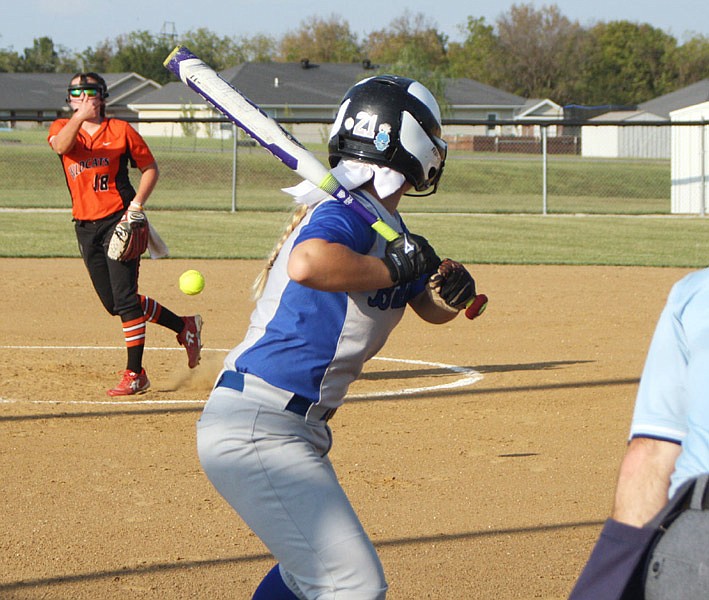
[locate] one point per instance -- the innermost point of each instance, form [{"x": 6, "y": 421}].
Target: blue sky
[{"x": 77, "y": 24}]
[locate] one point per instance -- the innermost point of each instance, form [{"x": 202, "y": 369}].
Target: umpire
[{"x": 668, "y": 451}]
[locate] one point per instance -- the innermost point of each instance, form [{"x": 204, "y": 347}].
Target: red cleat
[
  {"x": 191, "y": 338},
  {"x": 132, "y": 383}
]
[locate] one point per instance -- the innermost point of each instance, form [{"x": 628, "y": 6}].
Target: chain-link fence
[{"x": 609, "y": 168}]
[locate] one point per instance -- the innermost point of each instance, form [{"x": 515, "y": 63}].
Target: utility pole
[{"x": 169, "y": 32}]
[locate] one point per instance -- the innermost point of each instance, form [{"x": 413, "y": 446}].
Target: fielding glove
[{"x": 130, "y": 237}]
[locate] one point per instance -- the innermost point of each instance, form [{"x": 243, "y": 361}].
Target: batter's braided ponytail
[{"x": 296, "y": 217}]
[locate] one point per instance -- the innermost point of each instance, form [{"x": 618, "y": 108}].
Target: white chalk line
[
  {"x": 468, "y": 376},
  {"x": 147, "y": 348}
]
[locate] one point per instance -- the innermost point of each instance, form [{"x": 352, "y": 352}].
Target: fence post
[
  {"x": 544, "y": 169},
  {"x": 703, "y": 172},
  {"x": 233, "y": 168}
]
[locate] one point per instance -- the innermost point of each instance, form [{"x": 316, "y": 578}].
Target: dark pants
[{"x": 115, "y": 282}]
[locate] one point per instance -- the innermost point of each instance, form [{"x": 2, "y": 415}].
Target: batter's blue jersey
[{"x": 315, "y": 343}]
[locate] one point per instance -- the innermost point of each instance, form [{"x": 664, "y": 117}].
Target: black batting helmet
[{"x": 393, "y": 122}]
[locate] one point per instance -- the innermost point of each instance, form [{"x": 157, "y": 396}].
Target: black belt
[
  {"x": 300, "y": 405},
  {"x": 82, "y": 222}
]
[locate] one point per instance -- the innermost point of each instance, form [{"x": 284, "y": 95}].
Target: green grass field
[
  {"x": 198, "y": 174},
  {"x": 477, "y": 239},
  {"x": 488, "y": 209}
]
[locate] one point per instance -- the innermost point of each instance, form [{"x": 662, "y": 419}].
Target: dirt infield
[{"x": 494, "y": 489}]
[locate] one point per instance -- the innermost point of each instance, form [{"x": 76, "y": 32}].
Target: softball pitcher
[
  {"x": 95, "y": 153},
  {"x": 329, "y": 297}
]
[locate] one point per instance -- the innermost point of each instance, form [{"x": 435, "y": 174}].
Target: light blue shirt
[{"x": 673, "y": 397}]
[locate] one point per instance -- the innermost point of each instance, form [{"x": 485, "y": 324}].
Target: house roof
[
  {"x": 47, "y": 91},
  {"x": 271, "y": 85},
  {"x": 687, "y": 96},
  {"x": 627, "y": 115},
  {"x": 536, "y": 108},
  {"x": 275, "y": 84},
  {"x": 468, "y": 92},
  {"x": 319, "y": 85},
  {"x": 33, "y": 91}
]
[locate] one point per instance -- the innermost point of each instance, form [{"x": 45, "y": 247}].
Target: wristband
[{"x": 135, "y": 205}]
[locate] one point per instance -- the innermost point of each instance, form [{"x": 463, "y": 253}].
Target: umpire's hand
[{"x": 410, "y": 256}]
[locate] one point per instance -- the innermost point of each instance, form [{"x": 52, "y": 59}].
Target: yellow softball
[{"x": 191, "y": 282}]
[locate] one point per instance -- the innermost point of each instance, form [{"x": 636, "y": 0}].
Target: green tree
[
  {"x": 257, "y": 48},
  {"x": 68, "y": 61},
  {"x": 409, "y": 39},
  {"x": 629, "y": 63},
  {"x": 9, "y": 61},
  {"x": 142, "y": 53},
  {"x": 321, "y": 40},
  {"x": 42, "y": 57},
  {"x": 475, "y": 58},
  {"x": 411, "y": 47},
  {"x": 538, "y": 52},
  {"x": 408, "y": 65},
  {"x": 691, "y": 60},
  {"x": 99, "y": 59},
  {"x": 218, "y": 52}
]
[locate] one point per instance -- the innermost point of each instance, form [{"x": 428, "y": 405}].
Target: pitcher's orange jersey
[{"x": 96, "y": 168}]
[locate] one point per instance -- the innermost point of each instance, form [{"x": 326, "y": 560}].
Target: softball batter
[
  {"x": 95, "y": 153},
  {"x": 331, "y": 294}
]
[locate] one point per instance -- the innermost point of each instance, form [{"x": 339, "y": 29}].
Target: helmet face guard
[{"x": 394, "y": 122}]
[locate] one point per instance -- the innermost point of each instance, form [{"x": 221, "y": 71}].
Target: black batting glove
[
  {"x": 408, "y": 257},
  {"x": 454, "y": 284}
]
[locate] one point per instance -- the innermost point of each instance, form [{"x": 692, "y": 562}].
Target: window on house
[{"x": 491, "y": 119}]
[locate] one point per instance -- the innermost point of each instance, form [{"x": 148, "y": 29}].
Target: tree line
[{"x": 534, "y": 53}]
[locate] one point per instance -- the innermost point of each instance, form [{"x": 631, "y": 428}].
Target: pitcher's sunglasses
[{"x": 75, "y": 92}]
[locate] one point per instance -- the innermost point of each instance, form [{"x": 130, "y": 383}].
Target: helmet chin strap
[{"x": 351, "y": 174}]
